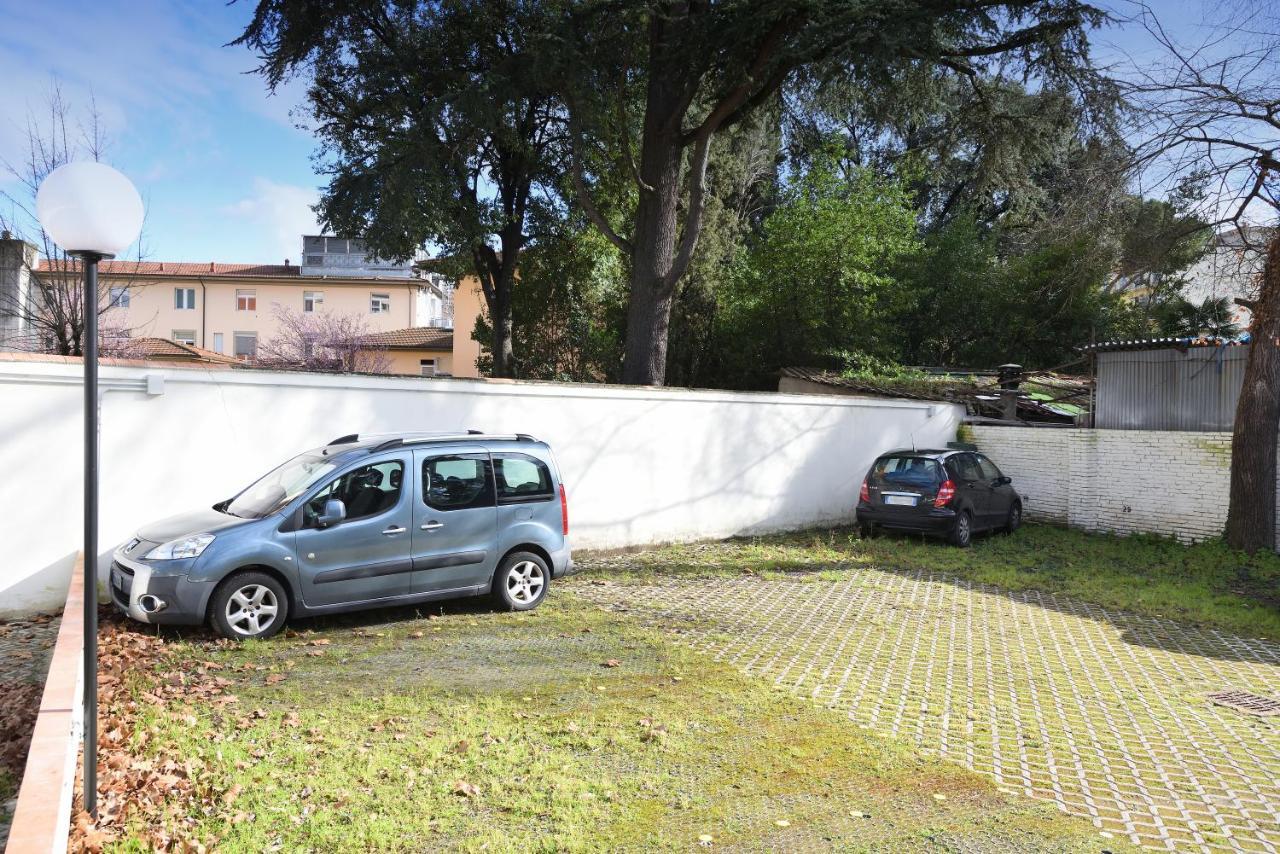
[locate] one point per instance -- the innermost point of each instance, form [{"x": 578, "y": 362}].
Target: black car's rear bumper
[{"x": 929, "y": 519}]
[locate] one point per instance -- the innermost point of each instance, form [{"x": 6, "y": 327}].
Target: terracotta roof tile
[
  {"x": 163, "y": 348},
  {"x": 174, "y": 268},
  {"x": 413, "y": 338}
]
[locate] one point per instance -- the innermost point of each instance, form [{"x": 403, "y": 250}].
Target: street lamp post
[{"x": 93, "y": 212}]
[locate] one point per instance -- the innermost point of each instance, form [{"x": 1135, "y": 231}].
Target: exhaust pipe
[{"x": 151, "y": 604}]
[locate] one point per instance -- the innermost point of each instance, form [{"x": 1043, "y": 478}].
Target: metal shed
[{"x": 1167, "y": 384}]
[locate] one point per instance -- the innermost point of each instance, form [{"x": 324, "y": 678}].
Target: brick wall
[{"x": 1126, "y": 481}]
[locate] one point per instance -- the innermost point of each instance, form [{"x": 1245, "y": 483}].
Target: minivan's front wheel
[
  {"x": 962, "y": 530},
  {"x": 249, "y": 605},
  {"x": 520, "y": 584}
]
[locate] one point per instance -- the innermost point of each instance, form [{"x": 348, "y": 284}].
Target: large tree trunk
[
  {"x": 497, "y": 272},
  {"x": 653, "y": 251},
  {"x": 1251, "y": 516},
  {"x": 500, "y": 315}
]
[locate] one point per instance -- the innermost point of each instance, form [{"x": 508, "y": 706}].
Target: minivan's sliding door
[{"x": 455, "y": 520}]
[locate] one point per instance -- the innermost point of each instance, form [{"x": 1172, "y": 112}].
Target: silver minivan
[{"x": 363, "y": 522}]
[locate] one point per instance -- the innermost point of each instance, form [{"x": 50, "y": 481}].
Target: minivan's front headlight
[{"x": 181, "y": 548}]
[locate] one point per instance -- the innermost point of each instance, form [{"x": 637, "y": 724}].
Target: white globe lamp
[
  {"x": 92, "y": 212},
  {"x": 89, "y": 209}
]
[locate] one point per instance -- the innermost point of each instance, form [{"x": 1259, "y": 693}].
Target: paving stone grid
[{"x": 1102, "y": 712}]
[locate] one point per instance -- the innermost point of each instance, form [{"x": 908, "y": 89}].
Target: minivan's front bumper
[{"x": 173, "y": 599}]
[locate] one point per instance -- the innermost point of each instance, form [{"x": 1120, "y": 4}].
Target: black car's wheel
[
  {"x": 866, "y": 530},
  {"x": 962, "y": 530},
  {"x": 249, "y": 605},
  {"x": 1015, "y": 518},
  {"x": 521, "y": 582}
]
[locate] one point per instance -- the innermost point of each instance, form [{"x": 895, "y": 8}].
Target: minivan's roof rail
[{"x": 451, "y": 437}]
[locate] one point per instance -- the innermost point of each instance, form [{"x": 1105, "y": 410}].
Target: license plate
[{"x": 904, "y": 500}]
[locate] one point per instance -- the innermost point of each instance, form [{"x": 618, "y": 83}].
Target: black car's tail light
[
  {"x": 864, "y": 494},
  {"x": 946, "y": 492}
]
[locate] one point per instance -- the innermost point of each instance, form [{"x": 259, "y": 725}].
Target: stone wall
[{"x": 1125, "y": 481}]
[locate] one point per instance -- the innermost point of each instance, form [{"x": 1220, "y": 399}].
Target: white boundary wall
[
  {"x": 1125, "y": 481},
  {"x": 640, "y": 465}
]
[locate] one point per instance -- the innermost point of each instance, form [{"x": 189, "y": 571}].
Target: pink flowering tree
[{"x": 322, "y": 341}]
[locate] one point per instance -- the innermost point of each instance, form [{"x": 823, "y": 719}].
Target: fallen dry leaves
[
  {"x": 138, "y": 782},
  {"x": 19, "y": 703}
]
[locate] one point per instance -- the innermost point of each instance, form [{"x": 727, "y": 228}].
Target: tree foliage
[
  {"x": 818, "y": 283},
  {"x": 657, "y": 81},
  {"x": 437, "y": 126}
]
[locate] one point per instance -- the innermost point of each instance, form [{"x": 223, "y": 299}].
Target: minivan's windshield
[{"x": 280, "y": 486}]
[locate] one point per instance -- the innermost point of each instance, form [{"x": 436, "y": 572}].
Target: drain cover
[{"x": 1243, "y": 701}]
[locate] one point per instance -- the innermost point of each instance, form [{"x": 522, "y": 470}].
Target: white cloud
[{"x": 282, "y": 211}]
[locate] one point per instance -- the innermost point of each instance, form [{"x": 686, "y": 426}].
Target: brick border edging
[{"x": 42, "y": 820}]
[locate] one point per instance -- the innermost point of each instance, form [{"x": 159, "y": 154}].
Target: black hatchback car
[{"x": 954, "y": 493}]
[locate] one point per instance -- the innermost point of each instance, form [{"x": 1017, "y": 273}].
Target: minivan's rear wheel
[
  {"x": 520, "y": 584},
  {"x": 249, "y": 605},
  {"x": 962, "y": 530},
  {"x": 1015, "y": 518}
]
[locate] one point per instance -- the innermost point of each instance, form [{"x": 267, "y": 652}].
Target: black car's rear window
[{"x": 906, "y": 470}]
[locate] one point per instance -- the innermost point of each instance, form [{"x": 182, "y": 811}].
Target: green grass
[
  {"x": 1206, "y": 584},
  {"x": 506, "y": 732}
]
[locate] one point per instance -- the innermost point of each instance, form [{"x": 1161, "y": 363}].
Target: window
[
  {"x": 246, "y": 344},
  {"x": 988, "y": 468},
  {"x": 906, "y": 471},
  {"x": 118, "y": 297},
  {"x": 367, "y": 491},
  {"x": 458, "y": 482},
  {"x": 521, "y": 477},
  {"x": 427, "y": 366},
  {"x": 311, "y": 300},
  {"x": 246, "y": 300},
  {"x": 184, "y": 297},
  {"x": 966, "y": 467},
  {"x": 379, "y": 303},
  {"x": 218, "y": 345},
  {"x": 314, "y": 261},
  {"x": 185, "y": 336}
]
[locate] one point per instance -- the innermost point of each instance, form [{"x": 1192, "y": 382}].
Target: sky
[{"x": 225, "y": 171}]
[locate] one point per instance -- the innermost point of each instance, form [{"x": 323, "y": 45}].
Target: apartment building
[{"x": 233, "y": 309}]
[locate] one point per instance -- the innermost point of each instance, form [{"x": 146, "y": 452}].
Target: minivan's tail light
[
  {"x": 946, "y": 492},
  {"x": 864, "y": 494},
  {"x": 564, "y": 511}
]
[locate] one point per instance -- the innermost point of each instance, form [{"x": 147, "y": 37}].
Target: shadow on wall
[{"x": 43, "y": 590}]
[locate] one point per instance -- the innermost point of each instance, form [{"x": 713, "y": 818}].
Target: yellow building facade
[{"x": 232, "y": 309}]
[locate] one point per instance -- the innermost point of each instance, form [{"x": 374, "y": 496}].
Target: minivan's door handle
[
  {"x": 393, "y": 530},
  {"x": 432, "y": 525}
]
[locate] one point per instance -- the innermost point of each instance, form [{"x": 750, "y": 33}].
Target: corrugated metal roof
[{"x": 1158, "y": 344}]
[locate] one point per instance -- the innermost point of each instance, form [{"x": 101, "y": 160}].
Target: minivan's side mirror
[
  {"x": 334, "y": 512},
  {"x": 1004, "y": 480}
]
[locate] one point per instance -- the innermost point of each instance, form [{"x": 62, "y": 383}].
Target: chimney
[
  {"x": 210, "y": 266},
  {"x": 286, "y": 263}
]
